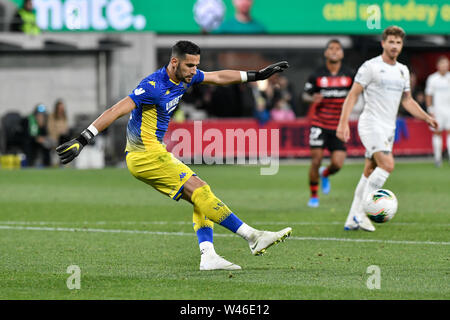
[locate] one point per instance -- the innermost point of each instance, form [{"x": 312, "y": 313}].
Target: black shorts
[{"x": 325, "y": 138}]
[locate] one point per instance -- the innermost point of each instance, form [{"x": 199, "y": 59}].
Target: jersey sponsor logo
[
  {"x": 333, "y": 93},
  {"x": 139, "y": 91},
  {"x": 172, "y": 104},
  {"x": 392, "y": 84},
  {"x": 335, "y": 81}
]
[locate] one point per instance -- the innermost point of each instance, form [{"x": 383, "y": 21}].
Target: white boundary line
[
  {"x": 299, "y": 223},
  {"x": 216, "y": 234}
]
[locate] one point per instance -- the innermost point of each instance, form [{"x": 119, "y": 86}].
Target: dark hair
[
  {"x": 183, "y": 47},
  {"x": 393, "y": 31},
  {"x": 334, "y": 40}
]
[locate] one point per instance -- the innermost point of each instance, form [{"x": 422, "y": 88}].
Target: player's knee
[
  {"x": 201, "y": 193},
  {"x": 193, "y": 184},
  {"x": 387, "y": 166},
  {"x": 390, "y": 168},
  {"x": 197, "y": 182}
]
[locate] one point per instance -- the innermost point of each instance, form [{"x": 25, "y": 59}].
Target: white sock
[
  {"x": 206, "y": 248},
  {"x": 437, "y": 147},
  {"x": 357, "y": 199},
  {"x": 376, "y": 180},
  {"x": 245, "y": 231}
]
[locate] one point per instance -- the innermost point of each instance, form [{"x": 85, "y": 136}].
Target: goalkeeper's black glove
[
  {"x": 71, "y": 149},
  {"x": 267, "y": 71}
]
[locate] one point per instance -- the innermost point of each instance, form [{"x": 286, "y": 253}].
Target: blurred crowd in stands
[{"x": 35, "y": 135}]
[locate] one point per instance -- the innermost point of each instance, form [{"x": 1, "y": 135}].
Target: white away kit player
[
  {"x": 384, "y": 83},
  {"x": 437, "y": 98}
]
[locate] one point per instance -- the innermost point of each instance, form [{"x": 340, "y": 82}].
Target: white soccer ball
[
  {"x": 380, "y": 205},
  {"x": 209, "y": 13}
]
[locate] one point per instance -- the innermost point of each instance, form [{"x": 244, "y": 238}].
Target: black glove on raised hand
[
  {"x": 267, "y": 71},
  {"x": 71, "y": 149}
]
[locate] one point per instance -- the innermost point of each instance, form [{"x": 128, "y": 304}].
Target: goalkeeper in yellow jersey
[{"x": 151, "y": 104}]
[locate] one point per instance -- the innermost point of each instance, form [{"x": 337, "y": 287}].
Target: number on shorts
[{"x": 314, "y": 136}]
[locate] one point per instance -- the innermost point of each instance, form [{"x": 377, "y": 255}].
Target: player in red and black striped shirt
[{"x": 326, "y": 90}]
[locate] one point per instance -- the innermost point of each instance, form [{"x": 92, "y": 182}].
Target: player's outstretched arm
[
  {"x": 416, "y": 110},
  {"x": 343, "y": 128},
  {"x": 71, "y": 149},
  {"x": 225, "y": 77}
]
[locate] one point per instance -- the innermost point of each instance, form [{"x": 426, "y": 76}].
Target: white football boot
[
  {"x": 212, "y": 261},
  {"x": 350, "y": 223},
  {"x": 264, "y": 239},
  {"x": 363, "y": 222}
]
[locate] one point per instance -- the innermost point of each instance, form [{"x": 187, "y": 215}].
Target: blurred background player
[
  {"x": 151, "y": 104},
  {"x": 326, "y": 90},
  {"x": 437, "y": 97},
  {"x": 384, "y": 83}
]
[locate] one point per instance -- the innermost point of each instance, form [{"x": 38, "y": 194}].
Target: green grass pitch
[{"x": 131, "y": 242}]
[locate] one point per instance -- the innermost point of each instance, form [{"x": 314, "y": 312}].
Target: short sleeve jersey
[
  {"x": 438, "y": 86},
  {"x": 156, "y": 98},
  {"x": 334, "y": 89},
  {"x": 384, "y": 85}
]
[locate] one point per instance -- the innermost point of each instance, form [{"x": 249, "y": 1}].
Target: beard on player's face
[
  {"x": 334, "y": 59},
  {"x": 179, "y": 74},
  {"x": 392, "y": 47},
  {"x": 183, "y": 72},
  {"x": 393, "y": 53}
]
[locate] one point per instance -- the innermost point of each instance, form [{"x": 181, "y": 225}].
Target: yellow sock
[
  {"x": 201, "y": 221},
  {"x": 203, "y": 227},
  {"x": 208, "y": 205}
]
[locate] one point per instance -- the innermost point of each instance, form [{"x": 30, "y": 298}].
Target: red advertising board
[{"x": 246, "y": 137}]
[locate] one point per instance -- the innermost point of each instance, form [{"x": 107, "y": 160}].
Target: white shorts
[
  {"x": 443, "y": 119},
  {"x": 376, "y": 139}
]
